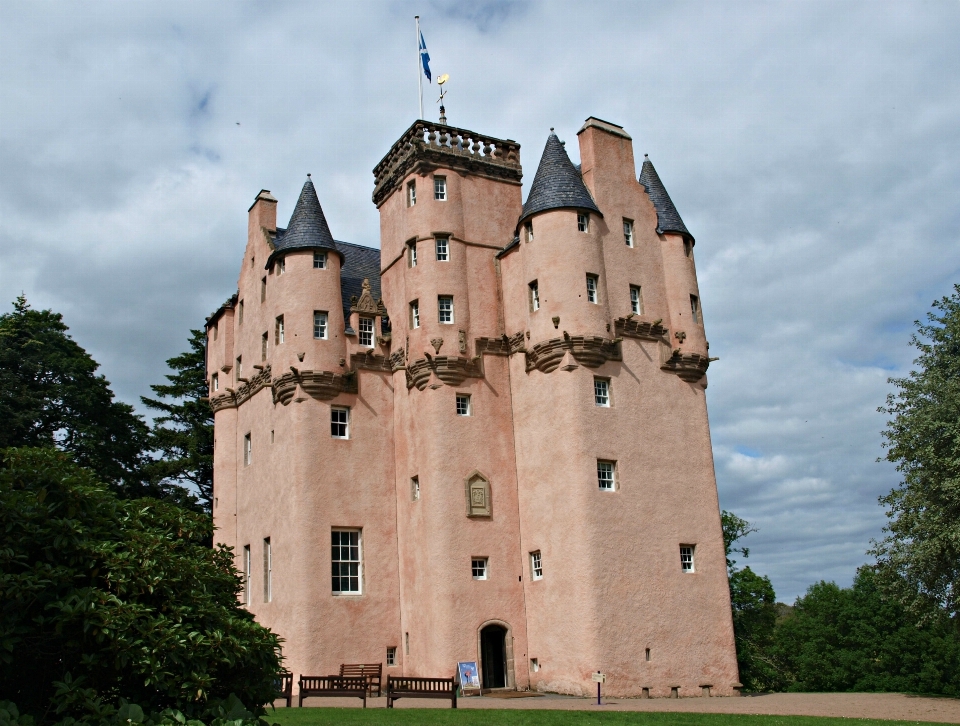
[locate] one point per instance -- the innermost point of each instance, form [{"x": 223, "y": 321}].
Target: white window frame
[
  {"x": 593, "y": 289},
  {"x": 278, "y": 331},
  {"x": 320, "y": 324},
  {"x": 636, "y": 300},
  {"x": 412, "y": 253},
  {"x": 534, "y": 296},
  {"x": 247, "y": 449},
  {"x": 463, "y": 405},
  {"x": 480, "y": 568},
  {"x": 281, "y": 265},
  {"x": 267, "y": 570},
  {"x": 366, "y": 336},
  {"x": 601, "y": 392},
  {"x": 412, "y": 193},
  {"x": 688, "y": 558},
  {"x": 440, "y": 188},
  {"x": 443, "y": 249},
  {"x": 246, "y": 575},
  {"x": 528, "y": 228},
  {"x": 605, "y": 483},
  {"x": 628, "y": 232},
  {"x": 583, "y": 222},
  {"x": 320, "y": 260},
  {"x": 441, "y": 312},
  {"x": 215, "y": 381},
  {"x": 415, "y": 314},
  {"x": 536, "y": 565},
  {"x": 337, "y": 575},
  {"x": 342, "y": 425},
  {"x": 391, "y": 656}
]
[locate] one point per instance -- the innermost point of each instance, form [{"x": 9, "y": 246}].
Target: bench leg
[{"x": 389, "y": 702}]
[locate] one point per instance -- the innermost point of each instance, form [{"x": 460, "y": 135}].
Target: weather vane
[{"x": 443, "y": 112}]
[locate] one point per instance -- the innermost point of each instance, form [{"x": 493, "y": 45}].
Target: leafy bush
[{"x": 122, "y": 594}]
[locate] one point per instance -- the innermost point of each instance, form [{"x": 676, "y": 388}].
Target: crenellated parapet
[
  {"x": 426, "y": 145},
  {"x": 690, "y": 367},
  {"x": 632, "y": 328}
]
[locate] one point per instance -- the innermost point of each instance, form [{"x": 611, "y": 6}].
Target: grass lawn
[{"x": 506, "y": 717}]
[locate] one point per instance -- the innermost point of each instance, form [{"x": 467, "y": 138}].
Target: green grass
[{"x": 506, "y": 717}]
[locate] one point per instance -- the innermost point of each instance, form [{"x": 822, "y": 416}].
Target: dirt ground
[{"x": 893, "y": 706}]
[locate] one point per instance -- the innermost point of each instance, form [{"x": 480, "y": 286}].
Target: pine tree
[{"x": 183, "y": 433}]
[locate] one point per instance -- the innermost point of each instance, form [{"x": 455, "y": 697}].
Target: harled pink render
[{"x": 451, "y": 503}]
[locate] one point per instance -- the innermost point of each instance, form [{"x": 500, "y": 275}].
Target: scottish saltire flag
[{"x": 425, "y": 59}]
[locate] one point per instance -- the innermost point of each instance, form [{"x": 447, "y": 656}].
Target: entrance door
[{"x": 493, "y": 653}]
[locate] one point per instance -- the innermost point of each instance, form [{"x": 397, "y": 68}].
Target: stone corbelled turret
[{"x": 557, "y": 183}]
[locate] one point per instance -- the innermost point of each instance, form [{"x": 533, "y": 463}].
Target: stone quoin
[{"x": 485, "y": 441}]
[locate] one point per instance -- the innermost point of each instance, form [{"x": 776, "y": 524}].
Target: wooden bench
[
  {"x": 373, "y": 672},
  {"x": 332, "y": 686},
  {"x": 404, "y": 687},
  {"x": 285, "y": 687}
]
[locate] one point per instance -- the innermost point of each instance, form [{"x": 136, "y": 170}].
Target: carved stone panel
[{"x": 478, "y": 496}]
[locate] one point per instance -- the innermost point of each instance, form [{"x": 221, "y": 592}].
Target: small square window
[
  {"x": 278, "y": 331},
  {"x": 695, "y": 309},
  {"x": 628, "y": 232},
  {"x": 534, "y": 296},
  {"x": 411, "y": 193},
  {"x": 263, "y": 347},
  {"x": 592, "y": 295},
  {"x": 412, "y": 253},
  {"x": 528, "y": 228},
  {"x": 463, "y": 405},
  {"x": 415, "y": 489},
  {"x": 478, "y": 566},
  {"x": 366, "y": 332},
  {"x": 536, "y": 565},
  {"x": 345, "y": 561},
  {"x": 340, "y": 422},
  {"x": 239, "y": 315},
  {"x": 440, "y": 188},
  {"x": 215, "y": 381},
  {"x": 686, "y": 558},
  {"x": 391, "y": 656},
  {"x": 319, "y": 325},
  {"x": 263, "y": 289},
  {"x": 606, "y": 475},
  {"x": 636, "y": 300},
  {"x": 247, "y": 450},
  {"x": 443, "y": 249},
  {"x": 583, "y": 222},
  {"x": 320, "y": 260},
  {"x": 281, "y": 265},
  {"x": 601, "y": 392},
  {"x": 415, "y": 314},
  {"x": 445, "y": 309}
]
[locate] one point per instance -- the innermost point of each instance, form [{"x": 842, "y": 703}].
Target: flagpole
[{"x": 419, "y": 62}]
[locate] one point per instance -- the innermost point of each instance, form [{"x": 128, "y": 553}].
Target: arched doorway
[{"x": 493, "y": 656}]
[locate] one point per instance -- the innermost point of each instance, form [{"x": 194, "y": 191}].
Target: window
[
  {"x": 411, "y": 193},
  {"x": 440, "y": 188},
  {"x": 605, "y": 475},
  {"x": 463, "y": 405},
  {"x": 319, "y": 325},
  {"x": 320, "y": 260},
  {"x": 406, "y": 643},
  {"x": 534, "y": 296},
  {"x": 415, "y": 489},
  {"x": 536, "y": 566},
  {"x": 443, "y": 249},
  {"x": 445, "y": 306},
  {"x": 695, "y": 309},
  {"x": 263, "y": 289},
  {"x": 263, "y": 347},
  {"x": 687, "y": 248},
  {"x": 272, "y": 436},
  {"x": 281, "y": 265},
  {"x": 412, "y": 253},
  {"x": 391, "y": 656},
  {"x": 528, "y": 228},
  {"x": 478, "y": 565},
  {"x": 247, "y": 450},
  {"x": 686, "y": 558},
  {"x": 246, "y": 574},
  {"x": 345, "y": 560},
  {"x": 636, "y": 302},
  {"x": 628, "y": 232},
  {"x": 215, "y": 381},
  {"x": 592, "y": 289},
  {"x": 267, "y": 570},
  {"x": 534, "y": 665},
  {"x": 239, "y": 313},
  {"x": 366, "y": 332},
  {"x": 583, "y": 222},
  {"x": 415, "y": 314},
  {"x": 601, "y": 392},
  {"x": 340, "y": 422},
  {"x": 238, "y": 371},
  {"x": 278, "y": 331},
  {"x": 646, "y": 655},
  {"x": 215, "y": 330}
]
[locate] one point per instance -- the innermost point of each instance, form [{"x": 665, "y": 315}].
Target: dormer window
[
  {"x": 320, "y": 260},
  {"x": 412, "y": 253},
  {"x": 628, "y": 232},
  {"x": 366, "y": 332},
  {"x": 411, "y": 193},
  {"x": 583, "y": 222},
  {"x": 440, "y": 188},
  {"x": 443, "y": 249},
  {"x": 528, "y": 230}
]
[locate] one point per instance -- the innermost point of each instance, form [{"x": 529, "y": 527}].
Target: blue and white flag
[{"x": 425, "y": 59}]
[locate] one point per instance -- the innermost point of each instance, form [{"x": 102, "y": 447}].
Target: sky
[{"x": 812, "y": 148}]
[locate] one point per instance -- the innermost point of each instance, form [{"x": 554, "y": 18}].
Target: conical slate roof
[
  {"x": 308, "y": 227},
  {"x": 668, "y": 218},
  {"x": 557, "y": 184}
]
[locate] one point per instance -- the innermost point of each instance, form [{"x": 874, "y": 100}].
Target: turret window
[
  {"x": 411, "y": 193},
  {"x": 215, "y": 382},
  {"x": 628, "y": 232},
  {"x": 687, "y": 248},
  {"x": 606, "y": 475},
  {"x": 415, "y": 314},
  {"x": 366, "y": 332},
  {"x": 340, "y": 422},
  {"x": 247, "y": 450},
  {"x": 463, "y": 404},
  {"x": 239, "y": 317},
  {"x": 695, "y": 309},
  {"x": 412, "y": 253},
  {"x": 528, "y": 228},
  {"x": 636, "y": 301},
  {"x": 534, "y": 296},
  {"x": 263, "y": 347},
  {"x": 592, "y": 289},
  {"x": 263, "y": 289},
  {"x": 415, "y": 489},
  {"x": 443, "y": 249},
  {"x": 346, "y": 562},
  {"x": 601, "y": 392},
  {"x": 278, "y": 331},
  {"x": 536, "y": 565},
  {"x": 686, "y": 558},
  {"x": 281, "y": 265},
  {"x": 319, "y": 260},
  {"x": 583, "y": 222},
  {"x": 319, "y": 325},
  {"x": 238, "y": 371},
  {"x": 478, "y": 566},
  {"x": 440, "y": 188},
  {"x": 445, "y": 307}
]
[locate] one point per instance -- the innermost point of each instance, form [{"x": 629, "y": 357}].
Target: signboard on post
[
  {"x": 599, "y": 677},
  {"x": 469, "y": 676}
]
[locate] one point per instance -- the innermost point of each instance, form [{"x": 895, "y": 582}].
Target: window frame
[
  {"x": 480, "y": 565},
  {"x": 601, "y": 392},
  {"x": 264, "y": 342},
  {"x": 445, "y": 243},
  {"x": 414, "y": 314},
  {"x": 320, "y": 257},
  {"x": 628, "y": 236},
  {"x": 345, "y": 424},
  {"x": 321, "y": 323},
  {"x": 267, "y": 570},
  {"x": 281, "y": 266},
  {"x": 238, "y": 370},
  {"x": 391, "y": 656},
  {"x": 601, "y": 480},
  {"x": 215, "y": 382},
  {"x": 247, "y": 575},
  {"x": 534, "y": 288},
  {"x": 338, "y": 578},
  {"x": 687, "y": 248},
  {"x": 583, "y": 222},
  {"x": 536, "y": 565},
  {"x": 440, "y": 188},
  {"x": 440, "y": 311},
  {"x": 278, "y": 331},
  {"x": 636, "y": 300},
  {"x": 593, "y": 294},
  {"x": 695, "y": 309},
  {"x": 528, "y": 230},
  {"x": 412, "y": 193},
  {"x": 263, "y": 289},
  {"x": 247, "y": 449},
  {"x": 688, "y": 566},
  {"x": 239, "y": 317},
  {"x": 467, "y": 404},
  {"x": 412, "y": 254},
  {"x": 361, "y": 333},
  {"x": 415, "y": 488}
]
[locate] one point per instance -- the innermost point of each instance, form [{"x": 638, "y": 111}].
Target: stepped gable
[
  {"x": 557, "y": 184},
  {"x": 668, "y": 218},
  {"x": 308, "y": 227}
]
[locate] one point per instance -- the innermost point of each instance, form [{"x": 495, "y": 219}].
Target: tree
[
  {"x": 919, "y": 558},
  {"x": 117, "y": 598},
  {"x": 50, "y": 395},
  {"x": 186, "y": 444}
]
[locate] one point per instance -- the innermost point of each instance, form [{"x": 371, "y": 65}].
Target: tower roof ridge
[
  {"x": 557, "y": 183},
  {"x": 668, "y": 218},
  {"x": 308, "y": 228}
]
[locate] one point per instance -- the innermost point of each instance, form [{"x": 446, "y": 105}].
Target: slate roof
[
  {"x": 557, "y": 184},
  {"x": 668, "y": 218},
  {"x": 308, "y": 227}
]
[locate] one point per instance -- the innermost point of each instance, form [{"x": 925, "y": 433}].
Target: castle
[{"x": 485, "y": 441}]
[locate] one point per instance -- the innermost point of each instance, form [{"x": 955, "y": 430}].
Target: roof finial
[
  {"x": 646, "y": 156},
  {"x": 551, "y": 129},
  {"x": 308, "y": 176}
]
